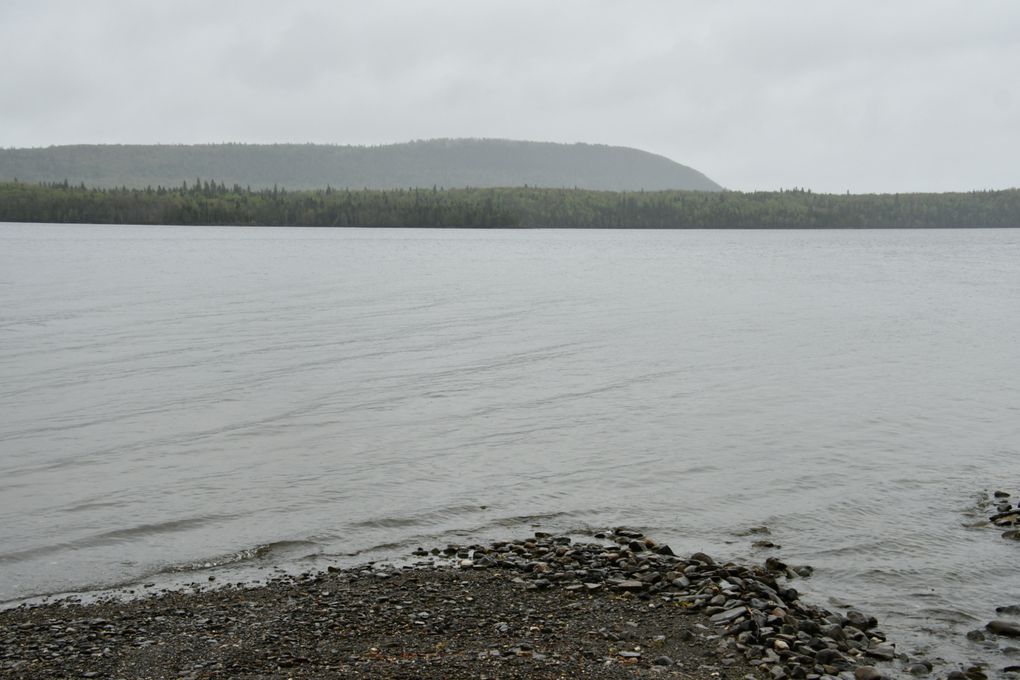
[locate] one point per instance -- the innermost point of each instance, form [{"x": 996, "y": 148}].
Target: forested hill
[{"x": 451, "y": 163}]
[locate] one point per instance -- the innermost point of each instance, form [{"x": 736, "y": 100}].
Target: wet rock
[
  {"x": 703, "y": 558},
  {"x": 867, "y": 673},
  {"x": 662, "y": 661},
  {"x": 881, "y": 652},
  {"x": 1004, "y": 628},
  {"x": 975, "y": 673},
  {"x": 1011, "y": 609},
  {"x": 919, "y": 668},
  {"x": 1007, "y": 518},
  {"x": 860, "y": 621}
]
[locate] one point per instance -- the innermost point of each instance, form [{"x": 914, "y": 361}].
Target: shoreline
[{"x": 544, "y": 607}]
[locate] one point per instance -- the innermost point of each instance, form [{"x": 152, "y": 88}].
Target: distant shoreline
[{"x": 208, "y": 203}]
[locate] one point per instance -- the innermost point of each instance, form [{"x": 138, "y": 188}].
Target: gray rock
[
  {"x": 703, "y": 558},
  {"x": 1005, "y": 628},
  {"x": 881, "y": 652},
  {"x": 630, "y": 585},
  {"x": 729, "y": 615},
  {"x": 867, "y": 673},
  {"x": 1008, "y": 609},
  {"x": 828, "y": 657},
  {"x": 834, "y": 631},
  {"x": 860, "y": 621},
  {"x": 662, "y": 661},
  {"x": 1006, "y": 518},
  {"x": 918, "y": 669}
]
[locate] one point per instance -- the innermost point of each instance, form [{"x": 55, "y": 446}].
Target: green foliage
[{"x": 210, "y": 202}]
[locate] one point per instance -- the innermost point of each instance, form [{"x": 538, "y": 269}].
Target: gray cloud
[{"x": 863, "y": 96}]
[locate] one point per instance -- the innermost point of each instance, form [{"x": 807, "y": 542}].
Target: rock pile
[
  {"x": 757, "y": 615},
  {"x": 1006, "y": 515}
]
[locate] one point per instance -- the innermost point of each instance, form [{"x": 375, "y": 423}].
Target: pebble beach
[{"x": 547, "y": 606}]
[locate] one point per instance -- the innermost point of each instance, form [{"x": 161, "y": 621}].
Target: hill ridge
[{"x": 447, "y": 162}]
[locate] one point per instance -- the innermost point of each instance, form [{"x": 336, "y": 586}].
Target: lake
[{"x": 178, "y": 401}]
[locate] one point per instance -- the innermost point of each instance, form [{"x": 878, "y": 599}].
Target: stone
[
  {"x": 1006, "y": 518},
  {"x": 867, "y": 673},
  {"x": 860, "y": 621},
  {"x": 729, "y": 615},
  {"x": 662, "y": 661},
  {"x": 703, "y": 558},
  {"x": 630, "y": 585},
  {"x": 1008, "y": 609},
  {"x": 918, "y": 669},
  {"x": 834, "y": 631},
  {"x": 1005, "y": 628},
  {"x": 828, "y": 657},
  {"x": 881, "y": 652}
]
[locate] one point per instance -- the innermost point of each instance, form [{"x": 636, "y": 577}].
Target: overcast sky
[{"x": 869, "y": 95}]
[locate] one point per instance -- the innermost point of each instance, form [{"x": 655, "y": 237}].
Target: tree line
[{"x": 204, "y": 202}]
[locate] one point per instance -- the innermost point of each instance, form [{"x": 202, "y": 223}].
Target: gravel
[{"x": 543, "y": 607}]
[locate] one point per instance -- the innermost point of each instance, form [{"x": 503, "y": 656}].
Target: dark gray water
[{"x": 173, "y": 398}]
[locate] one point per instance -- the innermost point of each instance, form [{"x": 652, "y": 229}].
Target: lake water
[{"x": 176, "y": 397}]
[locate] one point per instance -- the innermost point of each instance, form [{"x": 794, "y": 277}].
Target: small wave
[
  {"x": 113, "y": 537},
  {"x": 426, "y": 518},
  {"x": 279, "y": 549}
]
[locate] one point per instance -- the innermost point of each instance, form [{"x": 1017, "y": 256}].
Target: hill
[{"x": 444, "y": 163}]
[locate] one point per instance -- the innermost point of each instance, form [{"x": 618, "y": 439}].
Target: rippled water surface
[{"x": 175, "y": 398}]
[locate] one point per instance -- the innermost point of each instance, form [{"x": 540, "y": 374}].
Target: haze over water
[{"x": 173, "y": 397}]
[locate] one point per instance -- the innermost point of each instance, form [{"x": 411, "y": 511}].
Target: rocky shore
[
  {"x": 546, "y": 607},
  {"x": 620, "y": 605}
]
